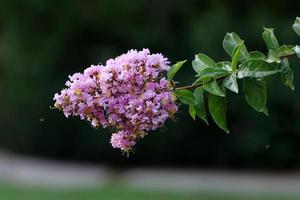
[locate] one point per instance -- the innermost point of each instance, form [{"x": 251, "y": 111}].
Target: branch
[{"x": 190, "y": 87}]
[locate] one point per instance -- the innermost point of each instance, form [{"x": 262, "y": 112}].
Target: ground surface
[
  {"x": 23, "y": 178},
  {"x": 120, "y": 193}
]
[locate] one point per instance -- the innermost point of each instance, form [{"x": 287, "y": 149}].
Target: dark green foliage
[
  {"x": 174, "y": 69},
  {"x": 186, "y": 97},
  {"x": 253, "y": 67},
  {"x": 202, "y": 61},
  {"x": 296, "y": 26},
  {"x": 200, "y": 106},
  {"x": 257, "y": 68},
  {"x": 231, "y": 41},
  {"x": 213, "y": 88},
  {"x": 256, "y": 93},
  {"x": 287, "y": 74},
  {"x": 217, "y": 109},
  {"x": 231, "y": 83}
]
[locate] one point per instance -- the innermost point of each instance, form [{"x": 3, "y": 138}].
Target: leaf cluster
[{"x": 214, "y": 79}]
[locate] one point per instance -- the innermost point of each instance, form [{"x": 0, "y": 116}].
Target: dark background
[{"x": 43, "y": 41}]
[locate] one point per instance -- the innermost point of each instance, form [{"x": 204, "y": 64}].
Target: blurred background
[{"x": 44, "y": 41}]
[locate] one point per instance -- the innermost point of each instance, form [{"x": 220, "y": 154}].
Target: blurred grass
[{"x": 118, "y": 193}]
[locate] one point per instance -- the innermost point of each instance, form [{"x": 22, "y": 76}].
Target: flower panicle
[{"x": 129, "y": 94}]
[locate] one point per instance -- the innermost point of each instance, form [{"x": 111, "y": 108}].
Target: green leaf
[
  {"x": 174, "y": 69},
  {"x": 217, "y": 109},
  {"x": 192, "y": 112},
  {"x": 257, "y": 68},
  {"x": 256, "y": 94},
  {"x": 231, "y": 41},
  {"x": 202, "y": 61},
  {"x": 231, "y": 83},
  {"x": 212, "y": 72},
  {"x": 287, "y": 74},
  {"x": 186, "y": 97},
  {"x": 273, "y": 57},
  {"x": 286, "y": 50},
  {"x": 213, "y": 88},
  {"x": 270, "y": 40},
  {"x": 226, "y": 65},
  {"x": 257, "y": 55},
  {"x": 200, "y": 107},
  {"x": 297, "y": 50},
  {"x": 296, "y": 26},
  {"x": 202, "y": 80},
  {"x": 235, "y": 56}
]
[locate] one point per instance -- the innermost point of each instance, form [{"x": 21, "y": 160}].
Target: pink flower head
[
  {"x": 128, "y": 94},
  {"x": 122, "y": 140}
]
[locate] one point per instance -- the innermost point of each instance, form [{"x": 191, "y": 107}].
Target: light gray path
[
  {"x": 43, "y": 173},
  {"x": 214, "y": 181}
]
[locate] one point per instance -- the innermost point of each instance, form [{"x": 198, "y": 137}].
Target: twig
[{"x": 189, "y": 87}]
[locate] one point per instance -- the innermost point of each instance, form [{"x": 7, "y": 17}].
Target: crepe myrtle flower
[{"x": 128, "y": 94}]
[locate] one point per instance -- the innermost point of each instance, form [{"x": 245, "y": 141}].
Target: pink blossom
[
  {"x": 129, "y": 94},
  {"x": 122, "y": 140}
]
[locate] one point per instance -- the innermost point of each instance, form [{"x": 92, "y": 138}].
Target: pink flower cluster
[{"x": 129, "y": 94}]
